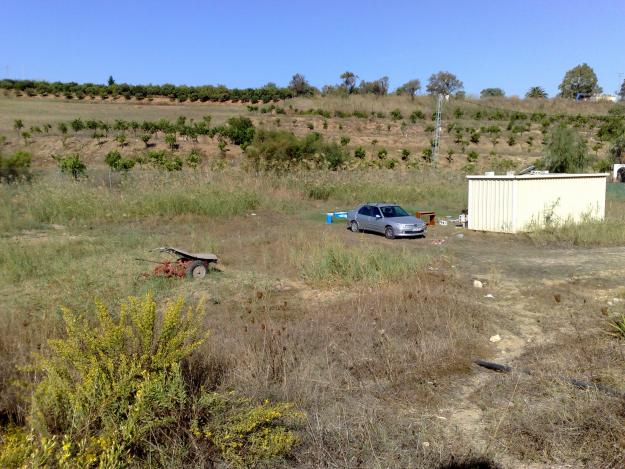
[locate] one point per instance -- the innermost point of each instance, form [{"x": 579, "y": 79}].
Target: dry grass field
[{"x": 373, "y": 340}]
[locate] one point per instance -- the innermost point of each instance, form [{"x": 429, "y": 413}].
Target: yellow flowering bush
[{"x": 112, "y": 394}]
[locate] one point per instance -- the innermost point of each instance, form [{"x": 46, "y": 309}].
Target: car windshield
[{"x": 393, "y": 211}]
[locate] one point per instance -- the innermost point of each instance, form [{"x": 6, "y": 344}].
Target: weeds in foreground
[
  {"x": 618, "y": 327},
  {"x": 333, "y": 262},
  {"x": 113, "y": 394}
]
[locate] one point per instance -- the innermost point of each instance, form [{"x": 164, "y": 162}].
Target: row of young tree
[{"x": 579, "y": 82}]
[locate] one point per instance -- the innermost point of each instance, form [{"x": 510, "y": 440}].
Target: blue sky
[{"x": 486, "y": 43}]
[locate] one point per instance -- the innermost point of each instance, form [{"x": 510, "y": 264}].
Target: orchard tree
[
  {"x": 410, "y": 88},
  {"x": 566, "y": 151},
  {"x": 621, "y": 92},
  {"x": 444, "y": 83},
  {"x": 300, "y": 86},
  {"x": 536, "y": 92},
  {"x": 111, "y": 82},
  {"x": 349, "y": 81},
  {"x": 579, "y": 81},
  {"x": 492, "y": 93}
]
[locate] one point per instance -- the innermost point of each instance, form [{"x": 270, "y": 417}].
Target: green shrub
[
  {"x": 117, "y": 162},
  {"x": 26, "y": 136},
  {"x": 396, "y": 115},
  {"x": 473, "y": 156},
  {"x": 239, "y": 130},
  {"x": 345, "y": 141},
  {"x": 405, "y": 153},
  {"x": 194, "y": 158},
  {"x": 16, "y": 166},
  {"x": 71, "y": 164},
  {"x": 475, "y": 136},
  {"x": 280, "y": 150},
  {"x": 416, "y": 115},
  {"x": 382, "y": 153},
  {"x": 426, "y": 154},
  {"x": 170, "y": 140},
  {"x": 360, "y": 153},
  {"x": 112, "y": 394}
]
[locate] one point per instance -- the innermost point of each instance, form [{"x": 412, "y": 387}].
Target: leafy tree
[
  {"x": 443, "y": 83},
  {"x": 77, "y": 125},
  {"x": 536, "y": 92},
  {"x": 170, "y": 140},
  {"x": 110, "y": 81},
  {"x": 492, "y": 93},
  {"x": 62, "y": 128},
  {"x": 300, "y": 86},
  {"x": 349, "y": 81},
  {"x": 71, "y": 164},
  {"x": 579, "y": 81},
  {"x": 621, "y": 92},
  {"x": 18, "y": 124},
  {"x": 145, "y": 138},
  {"x": 378, "y": 87},
  {"x": 15, "y": 166},
  {"x": 410, "y": 88},
  {"x": 117, "y": 162},
  {"x": 617, "y": 151},
  {"x": 566, "y": 151},
  {"x": 26, "y": 136}
]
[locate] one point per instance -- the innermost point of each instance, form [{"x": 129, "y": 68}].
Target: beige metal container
[{"x": 512, "y": 204}]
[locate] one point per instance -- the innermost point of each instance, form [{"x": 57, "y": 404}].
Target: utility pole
[{"x": 437, "y": 131}]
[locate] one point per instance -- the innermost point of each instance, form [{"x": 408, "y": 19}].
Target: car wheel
[
  {"x": 354, "y": 227},
  {"x": 389, "y": 233}
]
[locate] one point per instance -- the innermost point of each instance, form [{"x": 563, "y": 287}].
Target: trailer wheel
[{"x": 196, "y": 269}]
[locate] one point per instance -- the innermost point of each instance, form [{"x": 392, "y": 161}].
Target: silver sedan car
[{"x": 389, "y": 219}]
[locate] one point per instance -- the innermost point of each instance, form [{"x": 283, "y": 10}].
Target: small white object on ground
[
  {"x": 459, "y": 235},
  {"x": 253, "y": 214},
  {"x": 495, "y": 338},
  {"x": 477, "y": 284},
  {"x": 490, "y": 295},
  {"x": 442, "y": 222},
  {"x": 426, "y": 444}
]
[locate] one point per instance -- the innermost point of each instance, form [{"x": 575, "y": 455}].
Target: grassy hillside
[{"x": 491, "y": 134}]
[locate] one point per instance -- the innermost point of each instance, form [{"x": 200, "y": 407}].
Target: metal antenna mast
[{"x": 437, "y": 132}]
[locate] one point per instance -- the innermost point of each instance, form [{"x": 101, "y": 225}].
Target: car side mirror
[{"x": 378, "y": 216}]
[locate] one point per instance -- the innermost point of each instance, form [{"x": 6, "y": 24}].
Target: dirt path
[{"x": 528, "y": 284}]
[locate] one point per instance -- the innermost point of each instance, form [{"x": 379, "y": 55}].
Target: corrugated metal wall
[
  {"x": 515, "y": 204},
  {"x": 491, "y": 204}
]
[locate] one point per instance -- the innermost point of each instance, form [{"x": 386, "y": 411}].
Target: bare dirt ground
[{"x": 540, "y": 296}]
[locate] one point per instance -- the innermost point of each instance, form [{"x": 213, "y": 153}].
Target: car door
[
  {"x": 376, "y": 220},
  {"x": 363, "y": 217}
]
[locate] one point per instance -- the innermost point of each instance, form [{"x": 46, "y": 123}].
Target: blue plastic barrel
[{"x": 329, "y": 218}]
